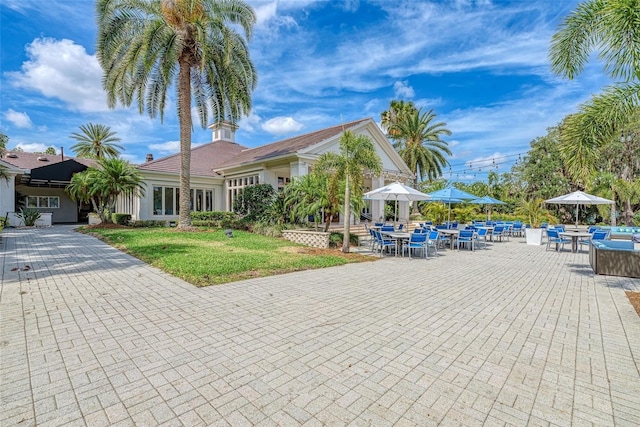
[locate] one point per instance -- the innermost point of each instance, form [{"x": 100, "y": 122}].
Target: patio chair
[
  {"x": 498, "y": 232},
  {"x": 443, "y": 239},
  {"x": 465, "y": 237},
  {"x": 596, "y": 235},
  {"x": 387, "y": 228},
  {"x": 481, "y": 236},
  {"x": 517, "y": 230},
  {"x": 416, "y": 241},
  {"x": 433, "y": 241},
  {"x": 383, "y": 243},
  {"x": 553, "y": 236}
]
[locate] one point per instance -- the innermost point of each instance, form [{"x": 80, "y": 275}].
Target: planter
[{"x": 534, "y": 236}]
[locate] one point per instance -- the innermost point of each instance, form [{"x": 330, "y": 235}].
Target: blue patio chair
[
  {"x": 378, "y": 224},
  {"x": 387, "y": 228},
  {"x": 596, "y": 235},
  {"x": 383, "y": 243},
  {"x": 400, "y": 227},
  {"x": 481, "y": 236},
  {"x": 465, "y": 237},
  {"x": 553, "y": 236},
  {"x": 498, "y": 232},
  {"x": 416, "y": 241},
  {"x": 443, "y": 240},
  {"x": 517, "y": 230},
  {"x": 433, "y": 240}
]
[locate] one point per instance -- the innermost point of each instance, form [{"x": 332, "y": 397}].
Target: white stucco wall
[{"x": 7, "y": 195}]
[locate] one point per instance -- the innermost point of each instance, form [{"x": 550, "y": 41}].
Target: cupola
[{"x": 224, "y": 131}]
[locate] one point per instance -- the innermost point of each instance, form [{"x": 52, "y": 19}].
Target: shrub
[
  {"x": 3, "y": 222},
  {"x": 335, "y": 239},
  {"x": 29, "y": 216},
  {"x": 217, "y": 220},
  {"x": 253, "y": 202},
  {"x": 266, "y": 229},
  {"x": 120, "y": 218}
]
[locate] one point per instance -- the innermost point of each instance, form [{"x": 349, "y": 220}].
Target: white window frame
[{"x": 37, "y": 200}]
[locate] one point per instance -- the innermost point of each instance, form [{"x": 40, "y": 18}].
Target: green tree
[
  {"x": 144, "y": 47},
  {"x": 253, "y": 202},
  {"x": 4, "y": 140},
  {"x": 419, "y": 143},
  {"x": 390, "y": 117},
  {"x": 103, "y": 184},
  {"x": 612, "y": 28},
  {"x": 96, "y": 141},
  {"x": 50, "y": 151},
  {"x": 306, "y": 196},
  {"x": 357, "y": 153}
]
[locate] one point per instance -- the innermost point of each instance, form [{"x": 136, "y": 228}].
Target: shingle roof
[
  {"x": 204, "y": 159},
  {"x": 286, "y": 146},
  {"x": 24, "y": 160}
]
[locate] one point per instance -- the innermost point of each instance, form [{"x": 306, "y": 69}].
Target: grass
[{"x": 208, "y": 257}]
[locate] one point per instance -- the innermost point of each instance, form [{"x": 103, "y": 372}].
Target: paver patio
[{"x": 511, "y": 335}]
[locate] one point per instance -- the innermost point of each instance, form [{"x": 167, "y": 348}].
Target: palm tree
[
  {"x": 96, "y": 142},
  {"x": 356, "y": 153},
  {"x": 420, "y": 145},
  {"x": 4, "y": 139},
  {"x": 305, "y": 196},
  {"x": 103, "y": 184},
  {"x": 612, "y": 28},
  {"x": 389, "y": 118},
  {"x": 145, "y": 46}
]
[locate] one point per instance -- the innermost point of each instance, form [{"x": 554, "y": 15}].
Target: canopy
[
  {"x": 398, "y": 192},
  {"x": 451, "y": 195},
  {"x": 487, "y": 200},
  {"x": 579, "y": 198}
]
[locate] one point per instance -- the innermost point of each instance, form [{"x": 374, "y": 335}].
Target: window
[
  {"x": 43, "y": 202},
  {"x": 166, "y": 200},
  {"x": 236, "y": 184}
]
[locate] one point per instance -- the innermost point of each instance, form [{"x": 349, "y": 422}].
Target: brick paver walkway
[{"x": 512, "y": 335}]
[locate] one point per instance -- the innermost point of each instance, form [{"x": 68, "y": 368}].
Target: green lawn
[{"x": 209, "y": 257}]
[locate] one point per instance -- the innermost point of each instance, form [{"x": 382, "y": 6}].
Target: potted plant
[{"x": 534, "y": 212}]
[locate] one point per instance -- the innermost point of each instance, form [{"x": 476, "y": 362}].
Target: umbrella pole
[{"x": 577, "y": 206}]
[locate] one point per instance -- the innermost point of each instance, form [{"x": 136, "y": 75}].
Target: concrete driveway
[{"x": 511, "y": 335}]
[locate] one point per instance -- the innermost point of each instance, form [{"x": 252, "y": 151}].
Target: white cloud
[
  {"x": 282, "y": 126},
  {"x": 32, "y": 147},
  {"x": 62, "y": 70},
  {"x": 402, "y": 90},
  {"x": 132, "y": 158},
  {"x": 250, "y": 123},
  {"x": 168, "y": 147},
  {"x": 19, "y": 120}
]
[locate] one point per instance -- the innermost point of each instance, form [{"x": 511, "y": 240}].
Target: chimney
[
  {"x": 149, "y": 158},
  {"x": 62, "y": 154}
]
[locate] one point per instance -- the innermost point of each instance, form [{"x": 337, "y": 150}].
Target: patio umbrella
[
  {"x": 579, "y": 198},
  {"x": 451, "y": 195},
  {"x": 487, "y": 200},
  {"x": 398, "y": 192}
]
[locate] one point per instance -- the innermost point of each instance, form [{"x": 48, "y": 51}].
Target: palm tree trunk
[
  {"x": 184, "y": 108},
  {"x": 347, "y": 216}
]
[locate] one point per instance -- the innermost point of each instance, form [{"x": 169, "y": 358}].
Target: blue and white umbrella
[{"x": 451, "y": 195}]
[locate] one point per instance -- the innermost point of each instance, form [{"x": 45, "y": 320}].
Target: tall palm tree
[
  {"x": 4, "y": 139},
  {"x": 357, "y": 153},
  {"x": 145, "y": 46},
  {"x": 96, "y": 142},
  {"x": 388, "y": 119},
  {"x": 420, "y": 145}
]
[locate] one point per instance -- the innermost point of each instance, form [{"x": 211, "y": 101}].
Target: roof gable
[{"x": 287, "y": 146}]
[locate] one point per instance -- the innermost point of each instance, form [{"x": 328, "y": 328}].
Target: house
[
  {"x": 38, "y": 181},
  {"x": 221, "y": 168}
]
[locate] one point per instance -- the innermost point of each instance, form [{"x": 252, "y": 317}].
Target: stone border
[{"x": 316, "y": 239}]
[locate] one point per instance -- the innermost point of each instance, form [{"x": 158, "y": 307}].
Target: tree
[
  {"x": 306, "y": 196},
  {"x": 253, "y": 202},
  {"x": 103, "y": 184},
  {"x": 144, "y": 47},
  {"x": 389, "y": 118},
  {"x": 96, "y": 141},
  {"x": 356, "y": 153},
  {"x": 50, "y": 151},
  {"x": 612, "y": 28},
  {"x": 4, "y": 140},
  {"x": 419, "y": 143}
]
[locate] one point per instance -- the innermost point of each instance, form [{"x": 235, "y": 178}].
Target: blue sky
[{"x": 482, "y": 66}]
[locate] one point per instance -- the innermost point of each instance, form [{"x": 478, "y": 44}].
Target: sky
[{"x": 481, "y": 66}]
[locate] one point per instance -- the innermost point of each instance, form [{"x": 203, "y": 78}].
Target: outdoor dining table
[
  {"x": 398, "y": 236},
  {"x": 575, "y": 235}
]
